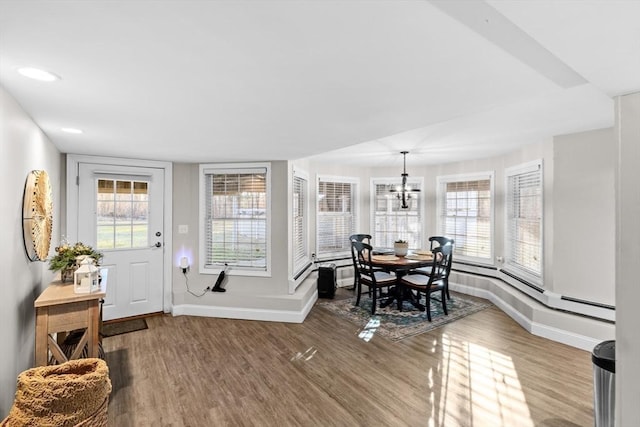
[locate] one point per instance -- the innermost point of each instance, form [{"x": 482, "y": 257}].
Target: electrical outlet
[{"x": 183, "y": 229}]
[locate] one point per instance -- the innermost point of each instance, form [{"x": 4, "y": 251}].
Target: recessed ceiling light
[
  {"x": 71, "y": 130},
  {"x": 38, "y": 74}
]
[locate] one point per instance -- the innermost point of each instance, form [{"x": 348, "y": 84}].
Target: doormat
[
  {"x": 123, "y": 327},
  {"x": 396, "y": 325}
]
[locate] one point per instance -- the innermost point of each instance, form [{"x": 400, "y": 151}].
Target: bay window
[
  {"x": 465, "y": 214},
  {"x": 524, "y": 220}
]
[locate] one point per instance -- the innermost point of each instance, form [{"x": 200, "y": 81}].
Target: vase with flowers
[{"x": 68, "y": 258}]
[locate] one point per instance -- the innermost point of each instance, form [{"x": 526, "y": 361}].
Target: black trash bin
[
  {"x": 604, "y": 383},
  {"x": 327, "y": 280}
]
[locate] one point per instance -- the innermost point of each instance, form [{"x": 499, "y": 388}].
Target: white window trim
[
  {"x": 207, "y": 168},
  {"x": 396, "y": 180},
  {"x": 297, "y": 268},
  {"x": 444, "y": 179},
  {"x": 527, "y": 167},
  {"x": 356, "y": 211}
]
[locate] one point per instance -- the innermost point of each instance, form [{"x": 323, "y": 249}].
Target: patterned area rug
[{"x": 396, "y": 325}]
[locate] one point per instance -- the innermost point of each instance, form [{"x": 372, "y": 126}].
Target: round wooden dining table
[{"x": 402, "y": 265}]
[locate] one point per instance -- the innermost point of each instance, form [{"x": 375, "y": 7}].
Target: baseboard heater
[
  {"x": 591, "y": 303},
  {"x": 301, "y": 272},
  {"x": 524, "y": 282},
  {"x": 548, "y": 299}
]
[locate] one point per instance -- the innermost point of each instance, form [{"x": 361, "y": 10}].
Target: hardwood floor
[{"x": 482, "y": 370}]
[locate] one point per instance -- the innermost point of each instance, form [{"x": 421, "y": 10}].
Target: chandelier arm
[{"x": 403, "y": 193}]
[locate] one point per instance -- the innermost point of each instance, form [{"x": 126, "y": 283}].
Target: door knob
[{"x": 157, "y": 245}]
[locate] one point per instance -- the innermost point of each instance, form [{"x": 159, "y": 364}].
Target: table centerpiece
[
  {"x": 401, "y": 247},
  {"x": 69, "y": 257}
]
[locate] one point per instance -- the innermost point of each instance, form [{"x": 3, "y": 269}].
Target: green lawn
[{"x": 123, "y": 235}]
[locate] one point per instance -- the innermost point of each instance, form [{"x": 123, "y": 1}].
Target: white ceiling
[{"x": 349, "y": 81}]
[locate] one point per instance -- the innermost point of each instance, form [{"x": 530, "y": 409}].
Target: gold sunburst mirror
[{"x": 37, "y": 215}]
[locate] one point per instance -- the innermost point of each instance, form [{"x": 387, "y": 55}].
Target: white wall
[
  {"x": 264, "y": 298},
  {"x": 23, "y": 147},
  {"x": 584, "y": 212},
  {"x": 628, "y": 259}
]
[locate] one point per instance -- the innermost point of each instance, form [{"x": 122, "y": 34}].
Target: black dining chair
[
  {"x": 432, "y": 283},
  {"x": 366, "y": 238},
  {"x": 441, "y": 241},
  {"x": 367, "y": 275}
]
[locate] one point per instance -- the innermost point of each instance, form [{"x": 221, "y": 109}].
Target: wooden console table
[{"x": 59, "y": 310}]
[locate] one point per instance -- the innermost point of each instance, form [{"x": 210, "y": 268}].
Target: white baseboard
[
  {"x": 288, "y": 316},
  {"x": 496, "y": 300},
  {"x": 563, "y": 336}
]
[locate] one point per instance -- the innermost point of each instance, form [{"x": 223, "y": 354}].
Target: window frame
[
  {"x": 514, "y": 268},
  {"x": 299, "y": 264},
  {"x": 212, "y": 168},
  {"x": 415, "y": 182},
  {"x": 355, "y": 197},
  {"x": 441, "y": 202}
]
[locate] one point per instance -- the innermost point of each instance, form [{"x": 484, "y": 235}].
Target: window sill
[{"x": 236, "y": 271}]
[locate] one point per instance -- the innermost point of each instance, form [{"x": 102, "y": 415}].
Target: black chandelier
[{"x": 404, "y": 192}]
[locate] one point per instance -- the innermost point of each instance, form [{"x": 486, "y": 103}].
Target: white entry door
[{"x": 120, "y": 213}]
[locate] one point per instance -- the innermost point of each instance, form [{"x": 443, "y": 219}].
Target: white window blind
[
  {"x": 524, "y": 219},
  {"x": 236, "y": 218},
  {"x": 465, "y": 210},
  {"x": 336, "y": 217},
  {"x": 300, "y": 246},
  {"x": 390, "y": 221}
]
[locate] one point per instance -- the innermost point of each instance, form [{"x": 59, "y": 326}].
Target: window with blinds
[
  {"x": 389, "y": 221},
  {"x": 300, "y": 232},
  {"x": 336, "y": 215},
  {"x": 524, "y": 219},
  {"x": 236, "y": 216},
  {"x": 465, "y": 207}
]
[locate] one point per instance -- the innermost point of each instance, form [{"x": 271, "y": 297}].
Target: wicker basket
[
  {"x": 98, "y": 419},
  {"x": 74, "y": 393}
]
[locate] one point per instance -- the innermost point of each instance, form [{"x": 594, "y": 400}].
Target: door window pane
[{"x": 122, "y": 214}]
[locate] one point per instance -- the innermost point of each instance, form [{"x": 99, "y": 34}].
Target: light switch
[{"x": 183, "y": 229}]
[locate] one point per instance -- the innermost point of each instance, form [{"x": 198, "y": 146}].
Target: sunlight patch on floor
[
  {"x": 304, "y": 357},
  {"x": 474, "y": 385},
  {"x": 369, "y": 329}
]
